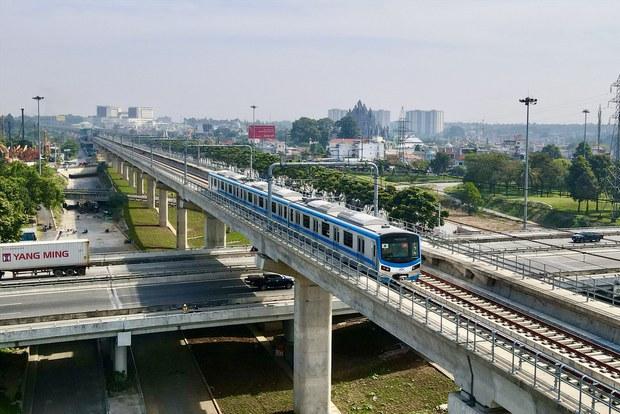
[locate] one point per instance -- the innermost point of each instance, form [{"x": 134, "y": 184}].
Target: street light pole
[
  {"x": 585, "y": 126},
  {"x": 39, "y": 99},
  {"x": 527, "y": 101}
]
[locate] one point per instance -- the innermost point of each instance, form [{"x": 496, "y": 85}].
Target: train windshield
[{"x": 399, "y": 247}]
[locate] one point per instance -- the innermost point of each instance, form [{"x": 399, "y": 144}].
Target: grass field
[
  {"x": 143, "y": 223},
  {"x": 246, "y": 379},
  {"x": 554, "y": 211}
]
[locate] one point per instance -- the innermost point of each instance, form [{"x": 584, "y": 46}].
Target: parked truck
[{"x": 58, "y": 257}]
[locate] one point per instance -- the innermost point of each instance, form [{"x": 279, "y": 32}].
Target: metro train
[{"x": 393, "y": 252}]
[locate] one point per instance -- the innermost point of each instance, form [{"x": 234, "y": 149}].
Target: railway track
[{"x": 565, "y": 345}]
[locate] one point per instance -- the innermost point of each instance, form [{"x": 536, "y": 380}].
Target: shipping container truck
[{"x": 58, "y": 257}]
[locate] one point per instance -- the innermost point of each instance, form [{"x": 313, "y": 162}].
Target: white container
[{"x": 43, "y": 255}]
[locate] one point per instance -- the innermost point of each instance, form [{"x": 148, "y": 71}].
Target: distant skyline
[{"x": 471, "y": 59}]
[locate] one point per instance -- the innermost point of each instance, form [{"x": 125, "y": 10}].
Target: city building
[
  {"x": 424, "y": 123},
  {"x": 336, "y": 114},
  {"x": 140, "y": 112},
  {"x": 382, "y": 118},
  {"x": 343, "y": 149},
  {"x": 106, "y": 111}
]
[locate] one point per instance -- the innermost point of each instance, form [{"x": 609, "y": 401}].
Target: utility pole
[
  {"x": 23, "y": 130},
  {"x": 616, "y": 116},
  {"x": 527, "y": 101},
  {"x": 585, "y": 126},
  {"x": 598, "y": 131},
  {"x": 39, "y": 99}
]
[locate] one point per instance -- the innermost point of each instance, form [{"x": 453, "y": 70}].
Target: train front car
[{"x": 399, "y": 255}]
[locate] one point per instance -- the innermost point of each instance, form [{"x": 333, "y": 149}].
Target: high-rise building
[
  {"x": 140, "y": 112},
  {"x": 382, "y": 118},
  {"x": 424, "y": 123},
  {"x": 336, "y": 114},
  {"x": 104, "y": 111}
]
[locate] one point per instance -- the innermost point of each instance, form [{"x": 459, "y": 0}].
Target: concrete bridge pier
[
  {"x": 132, "y": 177},
  {"x": 120, "y": 165},
  {"x": 215, "y": 232},
  {"x": 150, "y": 191},
  {"x": 459, "y": 403},
  {"x": 163, "y": 207},
  {"x": 123, "y": 341},
  {"x": 312, "y": 364},
  {"x": 139, "y": 182},
  {"x": 181, "y": 224},
  {"x": 126, "y": 171}
]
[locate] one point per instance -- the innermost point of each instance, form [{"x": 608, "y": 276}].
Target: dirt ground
[{"x": 483, "y": 221}]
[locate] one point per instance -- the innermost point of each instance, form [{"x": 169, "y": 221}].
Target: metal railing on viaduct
[{"x": 496, "y": 366}]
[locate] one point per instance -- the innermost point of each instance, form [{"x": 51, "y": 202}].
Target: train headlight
[{"x": 385, "y": 268}]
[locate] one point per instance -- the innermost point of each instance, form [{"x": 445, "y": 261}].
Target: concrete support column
[
  {"x": 313, "y": 348},
  {"x": 150, "y": 192},
  {"x": 120, "y": 165},
  {"x": 458, "y": 403},
  {"x": 123, "y": 341},
  {"x": 126, "y": 172},
  {"x": 181, "y": 225},
  {"x": 215, "y": 232},
  {"x": 139, "y": 182},
  {"x": 163, "y": 207},
  {"x": 132, "y": 177}
]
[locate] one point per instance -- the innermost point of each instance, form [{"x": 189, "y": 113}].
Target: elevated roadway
[{"x": 508, "y": 371}]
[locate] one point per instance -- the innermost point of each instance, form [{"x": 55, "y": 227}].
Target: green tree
[
  {"x": 581, "y": 182},
  {"x": 304, "y": 130},
  {"x": 486, "y": 169},
  {"x": 579, "y": 151},
  {"x": 600, "y": 164},
  {"x": 415, "y": 206},
  {"x": 440, "y": 163},
  {"x": 469, "y": 195},
  {"x": 325, "y": 126},
  {"x": 11, "y": 220},
  {"x": 347, "y": 128},
  {"x": 561, "y": 167},
  {"x": 70, "y": 147},
  {"x": 552, "y": 151}
]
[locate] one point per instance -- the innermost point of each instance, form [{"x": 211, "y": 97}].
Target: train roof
[
  {"x": 231, "y": 174},
  {"x": 281, "y": 192}
]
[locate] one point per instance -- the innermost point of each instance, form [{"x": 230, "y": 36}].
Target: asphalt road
[
  {"x": 171, "y": 385},
  {"x": 211, "y": 281},
  {"x": 67, "y": 379}
]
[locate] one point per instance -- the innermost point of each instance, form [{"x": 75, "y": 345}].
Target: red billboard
[{"x": 262, "y": 132}]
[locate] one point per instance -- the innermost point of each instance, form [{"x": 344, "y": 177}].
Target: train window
[
  {"x": 325, "y": 229},
  {"x": 336, "y": 235},
  {"x": 221, "y": 185},
  {"x": 297, "y": 217},
  {"x": 230, "y": 188},
  {"x": 291, "y": 215},
  {"x": 348, "y": 239},
  {"x": 374, "y": 250},
  {"x": 361, "y": 244},
  {"x": 250, "y": 197},
  {"x": 273, "y": 207},
  {"x": 306, "y": 221},
  {"x": 284, "y": 212},
  {"x": 261, "y": 202},
  {"x": 315, "y": 225}
]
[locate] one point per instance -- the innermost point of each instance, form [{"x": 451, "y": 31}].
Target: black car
[
  {"x": 587, "y": 236},
  {"x": 270, "y": 281}
]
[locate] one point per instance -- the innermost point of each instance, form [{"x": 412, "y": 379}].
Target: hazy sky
[{"x": 299, "y": 58}]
